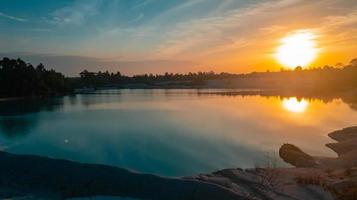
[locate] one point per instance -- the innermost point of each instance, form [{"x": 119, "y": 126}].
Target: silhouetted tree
[
  {"x": 18, "y": 78},
  {"x": 325, "y": 78},
  {"x": 298, "y": 68}
]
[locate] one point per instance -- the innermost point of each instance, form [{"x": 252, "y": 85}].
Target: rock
[
  {"x": 345, "y": 189},
  {"x": 346, "y": 149},
  {"x": 341, "y": 171},
  {"x": 38, "y": 176},
  {"x": 296, "y": 157},
  {"x": 344, "y": 134},
  {"x": 343, "y": 147}
]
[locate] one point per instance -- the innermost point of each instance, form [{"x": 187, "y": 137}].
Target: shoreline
[
  {"x": 22, "y": 175},
  {"x": 312, "y": 178}
]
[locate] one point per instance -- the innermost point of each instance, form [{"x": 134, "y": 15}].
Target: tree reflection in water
[{"x": 18, "y": 117}]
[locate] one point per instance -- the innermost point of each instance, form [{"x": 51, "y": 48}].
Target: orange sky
[{"x": 160, "y": 36}]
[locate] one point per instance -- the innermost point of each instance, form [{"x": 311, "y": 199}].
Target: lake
[{"x": 170, "y": 132}]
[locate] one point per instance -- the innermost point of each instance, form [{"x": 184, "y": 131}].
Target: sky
[{"x": 157, "y": 36}]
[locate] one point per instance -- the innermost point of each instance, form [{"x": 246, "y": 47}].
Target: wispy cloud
[
  {"x": 225, "y": 34},
  {"x": 34, "y": 29},
  {"x": 19, "y": 19},
  {"x": 75, "y": 13},
  {"x": 138, "y": 18},
  {"x": 255, "y": 30},
  {"x": 143, "y": 4}
]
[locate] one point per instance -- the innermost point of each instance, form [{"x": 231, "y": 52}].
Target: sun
[
  {"x": 297, "y": 49},
  {"x": 294, "y": 105}
]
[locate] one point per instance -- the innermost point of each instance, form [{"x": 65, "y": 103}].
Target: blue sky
[
  {"x": 70, "y": 25},
  {"x": 137, "y": 36}
]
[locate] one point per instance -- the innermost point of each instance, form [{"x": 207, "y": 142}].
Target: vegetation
[
  {"x": 102, "y": 79},
  {"x": 342, "y": 190},
  {"x": 312, "y": 179},
  {"x": 18, "y": 78},
  {"x": 327, "y": 78}
]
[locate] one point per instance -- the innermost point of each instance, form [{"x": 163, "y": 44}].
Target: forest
[{"x": 19, "y": 79}]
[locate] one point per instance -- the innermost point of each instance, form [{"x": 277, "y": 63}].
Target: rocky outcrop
[
  {"x": 340, "y": 173},
  {"x": 344, "y": 134},
  {"x": 346, "y": 146},
  {"x": 296, "y": 157},
  {"x": 267, "y": 183},
  {"x": 313, "y": 178}
]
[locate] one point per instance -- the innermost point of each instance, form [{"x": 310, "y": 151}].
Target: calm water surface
[{"x": 169, "y": 132}]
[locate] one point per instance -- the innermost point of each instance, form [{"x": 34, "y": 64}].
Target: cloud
[
  {"x": 226, "y": 33},
  {"x": 143, "y": 4},
  {"x": 75, "y": 13},
  {"x": 251, "y": 33},
  {"x": 229, "y": 34},
  {"x": 19, "y": 19},
  {"x": 148, "y": 35},
  {"x": 138, "y": 18}
]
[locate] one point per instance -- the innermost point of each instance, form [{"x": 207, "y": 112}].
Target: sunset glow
[
  {"x": 180, "y": 99},
  {"x": 147, "y": 36},
  {"x": 294, "y": 105},
  {"x": 297, "y": 49}
]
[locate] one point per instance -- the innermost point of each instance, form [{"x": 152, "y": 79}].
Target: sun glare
[
  {"x": 294, "y": 105},
  {"x": 297, "y": 49}
]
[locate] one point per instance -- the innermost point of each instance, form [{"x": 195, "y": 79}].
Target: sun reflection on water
[{"x": 295, "y": 105}]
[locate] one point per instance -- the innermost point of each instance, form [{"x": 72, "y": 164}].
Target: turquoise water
[{"x": 169, "y": 132}]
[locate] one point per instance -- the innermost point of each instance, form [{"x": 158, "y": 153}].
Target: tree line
[
  {"x": 18, "y": 78},
  {"x": 324, "y": 78},
  {"x": 114, "y": 79}
]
